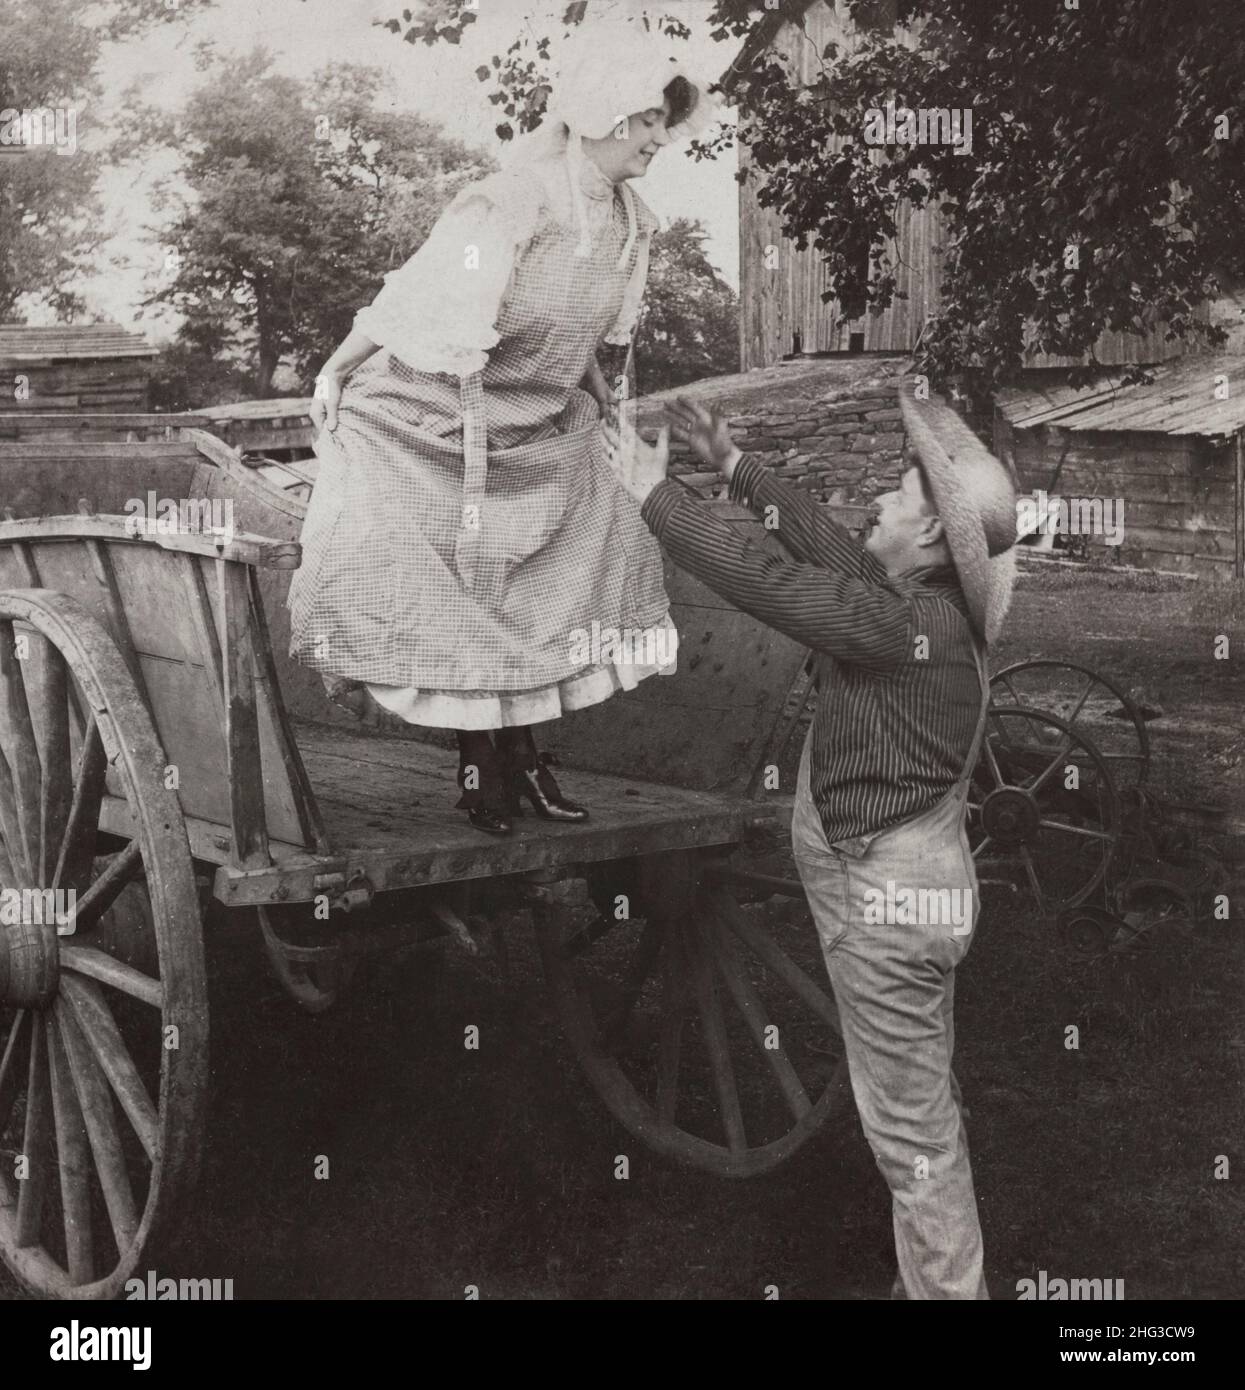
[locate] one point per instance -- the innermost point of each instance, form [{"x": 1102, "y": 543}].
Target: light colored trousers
[{"x": 894, "y": 983}]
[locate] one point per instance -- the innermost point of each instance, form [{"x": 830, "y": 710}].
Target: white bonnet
[
  {"x": 607, "y": 70},
  {"x": 610, "y": 69}
]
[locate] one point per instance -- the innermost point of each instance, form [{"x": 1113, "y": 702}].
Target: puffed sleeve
[
  {"x": 438, "y": 312},
  {"x": 633, "y": 296}
]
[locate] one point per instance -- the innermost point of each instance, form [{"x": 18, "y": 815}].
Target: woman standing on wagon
[{"x": 466, "y": 528}]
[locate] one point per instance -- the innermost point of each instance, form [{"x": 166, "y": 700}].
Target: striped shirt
[{"x": 898, "y": 690}]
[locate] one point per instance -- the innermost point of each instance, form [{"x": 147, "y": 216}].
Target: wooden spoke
[
  {"x": 36, "y": 1142},
  {"x": 101, "y": 1125},
  {"x": 54, "y": 758},
  {"x": 73, "y": 1160},
  {"x": 748, "y": 1001},
  {"x": 984, "y": 845},
  {"x": 670, "y": 1040},
  {"x": 123, "y": 867},
  {"x": 92, "y": 1015},
  {"x": 99, "y": 965},
  {"x": 20, "y": 748},
  {"x": 717, "y": 1046},
  {"x": 10, "y": 1063},
  {"x": 647, "y": 950},
  {"x": 77, "y": 851},
  {"x": 802, "y": 985},
  {"x": 11, "y": 827}
]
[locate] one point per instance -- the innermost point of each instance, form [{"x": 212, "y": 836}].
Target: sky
[{"x": 304, "y": 36}]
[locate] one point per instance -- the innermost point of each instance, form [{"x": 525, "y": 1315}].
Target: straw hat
[
  {"x": 608, "y": 70},
  {"x": 976, "y": 500}
]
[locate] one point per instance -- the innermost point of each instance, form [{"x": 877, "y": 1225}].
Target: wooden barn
[
  {"x": 1163, "y": 462},
  {"x": 88, "y": 367},
  {"x": 782, "y": 312}
]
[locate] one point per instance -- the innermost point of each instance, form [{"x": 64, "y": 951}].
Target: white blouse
[{"x": 439, "y": 311}]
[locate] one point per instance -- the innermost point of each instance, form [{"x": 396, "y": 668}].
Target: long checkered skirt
[{"x": 434, "y": 563}]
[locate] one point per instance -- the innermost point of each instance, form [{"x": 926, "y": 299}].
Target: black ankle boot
[
  {"x": 488, "y": 803},
  {"x": 537, "y": 784}
]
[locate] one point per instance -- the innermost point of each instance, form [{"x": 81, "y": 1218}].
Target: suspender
[{"x": 983, "y": 675}]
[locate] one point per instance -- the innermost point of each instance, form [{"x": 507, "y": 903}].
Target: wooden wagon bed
[
  {"x": 162, "y": 759},
  {"x": 387, "y": 807},
  {"x": 396, "y": 797}
]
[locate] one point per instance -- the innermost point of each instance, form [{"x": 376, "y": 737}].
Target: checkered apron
[{"x": 461, "y": 531}]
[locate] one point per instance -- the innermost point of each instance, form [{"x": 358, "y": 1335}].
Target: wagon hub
[
  {"x": 1010, "y": 816},
  {"x": 29, "y": 964}
]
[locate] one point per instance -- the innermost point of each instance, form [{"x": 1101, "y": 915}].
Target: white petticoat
[{"x": 447, "y": 709}]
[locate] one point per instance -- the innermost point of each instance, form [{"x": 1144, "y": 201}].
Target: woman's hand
[
  {"x": 595, "y": 384},
  {"x": 327, "y": 398},
  {"x": 640, "y": 466},
  {"x": 705, "y": 433}
]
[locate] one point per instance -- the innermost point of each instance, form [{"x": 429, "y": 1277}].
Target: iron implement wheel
[
  {"x": 1092, "y": 704},
  {"x": 1042, "y": 796},
  {"x": 103, "y": 1013}
]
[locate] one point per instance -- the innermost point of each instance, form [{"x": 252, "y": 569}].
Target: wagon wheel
[
  {"x": 1043, "y": 795},
  {"x": 313, "y": 976},
  {"x": 709, "y": 1036},
  {"x": 1095, "y": 705},
  {"x": 103, "y": 1021}
]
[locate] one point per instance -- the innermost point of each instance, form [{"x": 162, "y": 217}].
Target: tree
[
  {"x": 49, "y": 211},
  {"x": 291, "y": 201},
  {"x": 1105, "y": 188},
  {"x": 688, "y": 328}
]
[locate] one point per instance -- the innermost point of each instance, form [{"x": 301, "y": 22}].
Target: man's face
[{"x": 903, "y": 524}]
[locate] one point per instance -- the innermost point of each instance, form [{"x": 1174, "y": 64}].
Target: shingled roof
[
  {"x": 70, "y": 342},
  {"x": 1181, "y": 399}
]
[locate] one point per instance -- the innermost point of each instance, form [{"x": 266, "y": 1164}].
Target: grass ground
[{"x": 496, "y": 1168}]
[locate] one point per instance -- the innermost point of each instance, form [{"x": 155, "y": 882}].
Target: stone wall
[{"x": 830, "y": 425}]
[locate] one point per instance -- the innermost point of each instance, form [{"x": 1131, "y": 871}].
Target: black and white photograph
[{"x": 621, "y": 663}]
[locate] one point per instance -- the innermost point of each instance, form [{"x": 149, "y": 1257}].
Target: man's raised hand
[{"x": 705, "y": 433}]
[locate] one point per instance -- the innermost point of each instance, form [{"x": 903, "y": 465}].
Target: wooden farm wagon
[
  {"x": 163, "y": 761},
  {"x": 168, "y": 765}
]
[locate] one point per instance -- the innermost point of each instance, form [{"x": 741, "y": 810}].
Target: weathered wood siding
[
  {"x": 1178, "y": 492},
  {"x": 104, "y": 385},
  {"x": 783, "y": 298}
]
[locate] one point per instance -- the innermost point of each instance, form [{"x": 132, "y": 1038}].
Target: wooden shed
[
  {"x": 1167, "y": 458},
  {"x": 74, "y": 367},
  {"x": 782, "y": 312},
  {"x": 279, "y": 428}
]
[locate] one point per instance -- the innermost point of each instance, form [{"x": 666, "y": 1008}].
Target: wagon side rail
[{"x": 185, "y": 611}]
